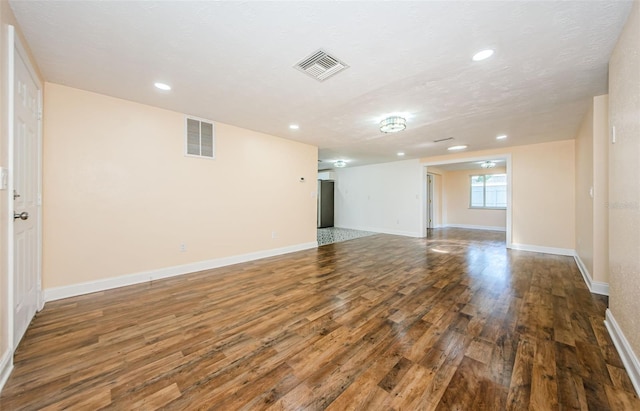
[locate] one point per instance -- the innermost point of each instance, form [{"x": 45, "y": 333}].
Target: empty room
[{"x": 319, "y": 205}]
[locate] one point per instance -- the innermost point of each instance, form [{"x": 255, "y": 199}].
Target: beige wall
[
  {"x": 456, "y": 198},
  {"x": 592, "y": 191},
  {"x": 584, "y": 183},
  {"x": 120, "y": 197},
  {"x": 6, "y": 18},
  {"x": 543, "y": 181},
  {"x": 601, "y": 188},
  {"x": 624, "y": 183},
  {"x": 438, "y": 200}
]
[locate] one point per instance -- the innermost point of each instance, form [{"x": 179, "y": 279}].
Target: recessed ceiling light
[
  {"x": 482, "y": 55},
  {"x": 502, "y": 137},
  {"x": 162, "y": 86},
  {"x": 294, "y": 126},
  {"x": 454, "y": 148},
  {"x": 400, "y": 154}
]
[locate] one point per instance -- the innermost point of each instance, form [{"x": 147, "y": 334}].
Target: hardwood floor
[{"x": 452, "y": 322}]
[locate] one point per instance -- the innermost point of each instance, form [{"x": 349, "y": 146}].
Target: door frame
[
  {"x": 15, "y": 48},
  {"x": 430, "y": 202}
]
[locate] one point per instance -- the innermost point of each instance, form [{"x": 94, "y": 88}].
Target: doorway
[
  {"x": 466, "y": 213},
  {"x": 430, "y": 201}
]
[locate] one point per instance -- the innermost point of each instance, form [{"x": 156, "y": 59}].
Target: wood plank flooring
[{"x": 451, "y": 322}]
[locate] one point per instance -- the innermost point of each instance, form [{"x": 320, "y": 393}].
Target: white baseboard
[
  {"x": 59, "y": 293},
  {"x": 477, "y": 227},
  {"x": 6, "y": 366},
  {"x": 541, "y": 249},
  {"x": 629, "y": 358},
  {"x": 387, "y": 231},
  {"x": 596, "y": 287}
]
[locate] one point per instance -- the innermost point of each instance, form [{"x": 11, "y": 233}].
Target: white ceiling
[{"x": 232, "y": 62}]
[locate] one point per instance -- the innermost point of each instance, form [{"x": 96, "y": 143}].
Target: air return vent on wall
[
  {"x": 200, "y": 139},
  {"x": 320, "y": 65}
]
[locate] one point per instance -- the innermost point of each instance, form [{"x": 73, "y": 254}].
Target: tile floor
[{"x": 332, "y": 235}]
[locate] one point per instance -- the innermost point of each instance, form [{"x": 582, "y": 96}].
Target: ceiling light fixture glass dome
[
  {"x": 393, "y": 124},
  {"x": 340, "y": 163}
]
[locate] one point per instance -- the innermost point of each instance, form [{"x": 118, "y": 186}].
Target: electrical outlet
[
  {"x": 183, "y": 247},
  {"x": 274, "y": 234}
]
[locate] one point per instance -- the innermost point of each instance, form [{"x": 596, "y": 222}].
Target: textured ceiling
[{"x": 232, "y": 62}]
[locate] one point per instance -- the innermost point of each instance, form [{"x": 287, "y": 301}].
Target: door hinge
[{"x": 39, "y": 115}]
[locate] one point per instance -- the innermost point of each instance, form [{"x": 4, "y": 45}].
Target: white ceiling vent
[{"x": 320, "y": 65}]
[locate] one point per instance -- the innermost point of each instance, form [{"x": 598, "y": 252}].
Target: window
[
  {"x": 200, "y": 141},
  {"x": 489, "y": 191}
]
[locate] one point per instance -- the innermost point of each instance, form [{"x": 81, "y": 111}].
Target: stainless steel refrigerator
[{"x": 325, "y": 203}]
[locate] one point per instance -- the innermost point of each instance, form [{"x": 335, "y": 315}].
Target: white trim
[
  {"x": 386, "y": 231},
  {"x": 430, "y": 200},
  {"x": 542, "y": 249},
  {"x": 477, "y": 227},
  {"x": 509, "y": 200},
  {"x": 6, "y": 366},
  {"x": 599, "y": 287},
  {"x": 596, "y": 287},
  {"x": 10, "y": 208},
  {"x": 628, "y": 357},
  {"x": 58, "y": 293}
]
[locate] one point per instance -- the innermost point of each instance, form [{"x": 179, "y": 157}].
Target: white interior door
[{"x": 26, "y": 184}]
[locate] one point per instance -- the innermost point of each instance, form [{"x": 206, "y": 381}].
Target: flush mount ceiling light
[
  {"x": 393, "y": 124},
  {"x": 454, "y": 148},
  {"x": 340, "y": 163},
  {"x": 502, "y": 137},
  {"x": 400, "y": 154},
  {"x": 482, "y": 55},
  {"x": 294, "y": 126},
  {"x": 162, "y": 86},
  {"x": 488, "y": 164}
]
